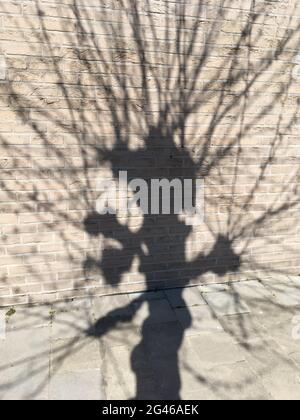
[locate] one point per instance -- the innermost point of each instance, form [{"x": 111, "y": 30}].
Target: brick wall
[{"x": 162, "y": 89}]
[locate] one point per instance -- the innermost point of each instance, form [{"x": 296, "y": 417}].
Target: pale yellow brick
[{"x": 8, "y": 219}]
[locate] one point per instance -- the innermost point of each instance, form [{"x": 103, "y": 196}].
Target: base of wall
[{"x": 77, "y": 293}]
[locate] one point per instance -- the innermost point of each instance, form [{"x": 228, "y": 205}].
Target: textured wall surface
[{"x": 162, "y": 89}]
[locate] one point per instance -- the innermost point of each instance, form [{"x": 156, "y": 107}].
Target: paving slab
[
  {"x": 226, "y": 303},
  {"x": 285, "y": 292},
  {"x": 25, "y": 346},
  {"x": 25, "y": 382},
  {"x": 75, "y": 355},
  {"x": 287, "y": 297},
  {"x": 198, "y": 319},
  {"x": 161, "y": 343},
  {"x": 282, "y": 383},
  {"x": 24, "y": 366},
  {"x": 152, "y": 312},
  {"x": 24, "y": 318},
  {"x": 284, "y": 335},
  {"x": 161, "y": 338},
  {"x": 216, "y": 349},
  {"x": 194, "y": 383},
  {"x": 121, "y": 367},
  {"x": 252, "y": 291},
  {"x": 73, "y": 305},
  {"x": 188, "y": 297},
  {"x": 105, "y": 306},
  {"x": 161, "y": 350},
  {"x": 278, "y": 373},
  {"x": 244, "y": 328},
  {"x": 77, "y": 386},
  {"x": 237, "y": 382},
  {"x": 257, "y": 297},
  {"x": 71, "y": 324},
  {"x": 275, "y": 314},
  {"x": 120, "y": 380},
  {"x": 122, "y": 333}
]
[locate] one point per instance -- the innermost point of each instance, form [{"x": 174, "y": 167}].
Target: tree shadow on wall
[
  {"x": 164, "y": 154},
  {"x": 170, "y": 99}
]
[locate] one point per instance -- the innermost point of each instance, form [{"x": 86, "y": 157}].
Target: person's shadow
[{"x": 156, "y": 356}]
